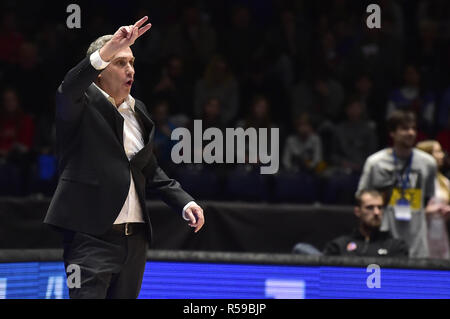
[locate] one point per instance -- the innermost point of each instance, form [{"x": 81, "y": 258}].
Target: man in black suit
[{"x": 106, "y": 162}]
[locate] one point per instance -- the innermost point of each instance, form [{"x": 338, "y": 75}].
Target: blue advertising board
[{"x": 201, "y": 280}]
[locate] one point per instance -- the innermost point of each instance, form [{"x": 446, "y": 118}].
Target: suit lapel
[
  {"x": 108, "y": 111},
  {"x": 142, "y": 157},
  {"x": 115, "y": 122},
  {"x": 147, "y": 125}
]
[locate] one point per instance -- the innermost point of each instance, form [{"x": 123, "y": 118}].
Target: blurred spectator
[
  {"x": 16, "y": 138},
  {"x": 264, "y": 79},
  {"x": 193, "y": 39},
  {"x": 322, "y": 96},
  {"x": 10, "y": 38},
  {"x": 16, "y": 126},
  {"x": 259, "y": 115},
  {"x": 327, "y": 55},
  {"x": 377, "y": 53},
  {"x": 163, "y": 130},
  {"x": 303, "y": 150},
  {"x": 27, "y": 75},
  {"x": 406, "y": 176},
  {"x": 394, "y": 24},
  {"x": 205, "y": 179},
  {"x": 368, "y": 240},
  {"x": 43, "y": 170},
  {"x": 438, "y": 243},
  {"x": 218, "y": 81},
  {"x": 212, "y": 114},
  {"x": 437, "y": 10},
  {"x": 353, "y": 141},
  {"x": 412, "y": 96},
  {"x": 211, "y": 117},
  {"x": 175, "y": 87},
  {"x": 48, "y": 41},
  {"x": 240, "y": 40},
  {"x": 289, "y": 40},
  {"x": 373, "y": 101},
  {"x": 427, "y": 52},
  {"x": 288, "y": 35}
]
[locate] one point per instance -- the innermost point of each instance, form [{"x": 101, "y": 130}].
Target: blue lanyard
[{"x": 404, "y": 182}]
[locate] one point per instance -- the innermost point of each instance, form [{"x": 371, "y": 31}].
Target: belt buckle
[{"x": 127, "y": 232}]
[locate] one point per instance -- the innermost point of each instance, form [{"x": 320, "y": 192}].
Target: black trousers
[{"x": 111, "y": 265}]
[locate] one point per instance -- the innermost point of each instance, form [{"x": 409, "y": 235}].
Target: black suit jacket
[{"x": 94, "y": 171}]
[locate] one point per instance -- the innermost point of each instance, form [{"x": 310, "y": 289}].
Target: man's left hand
[{"x": 195, "y": 215}]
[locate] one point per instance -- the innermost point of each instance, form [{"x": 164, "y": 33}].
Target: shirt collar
[{"x": 129, "y": 100}]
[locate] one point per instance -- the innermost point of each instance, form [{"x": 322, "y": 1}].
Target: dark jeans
[{"x": 112, "y": 265}]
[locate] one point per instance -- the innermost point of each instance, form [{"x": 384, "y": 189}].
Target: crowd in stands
[{"x": 313, "y": 69}]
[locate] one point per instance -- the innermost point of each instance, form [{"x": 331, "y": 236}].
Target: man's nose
[{"x": 130, "y": 70}]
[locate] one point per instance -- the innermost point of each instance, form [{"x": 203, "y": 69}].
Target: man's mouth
[{"x": 129, "y": 83}]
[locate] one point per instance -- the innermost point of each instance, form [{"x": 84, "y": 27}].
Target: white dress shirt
[{"x": 133, "y": 142}]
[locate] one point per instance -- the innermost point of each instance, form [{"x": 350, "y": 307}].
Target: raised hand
[{"x": 124, "y": 37}]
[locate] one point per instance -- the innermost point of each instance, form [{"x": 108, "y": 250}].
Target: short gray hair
[{"x": 98, "y": 44}]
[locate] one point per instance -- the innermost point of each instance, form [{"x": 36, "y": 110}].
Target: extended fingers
[
  {"x": 140, "y": 22},
  {"x": 144, "y": 29}
]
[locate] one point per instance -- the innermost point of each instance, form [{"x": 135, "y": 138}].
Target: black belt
[{"x": 128, "y": 229}]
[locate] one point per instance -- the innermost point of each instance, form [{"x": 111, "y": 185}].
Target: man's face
[
  {"x": 117, "y": 78},
  {"x": 405, "y": 135},
  {"x": 370, "y": 212}
]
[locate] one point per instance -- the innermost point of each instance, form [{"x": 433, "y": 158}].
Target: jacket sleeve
[
  {"x": 71, "y": 93},
  {"x": 167, "y": 189}
]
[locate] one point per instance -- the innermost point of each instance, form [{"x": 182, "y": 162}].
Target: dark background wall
[{"x": 234, "y": 227}]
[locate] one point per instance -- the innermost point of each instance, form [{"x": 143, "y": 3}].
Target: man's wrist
[
  {"x": 186, "y": 207},
  {"x": 97, "y": 61},
  {"x": 105, "y": 54}
]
